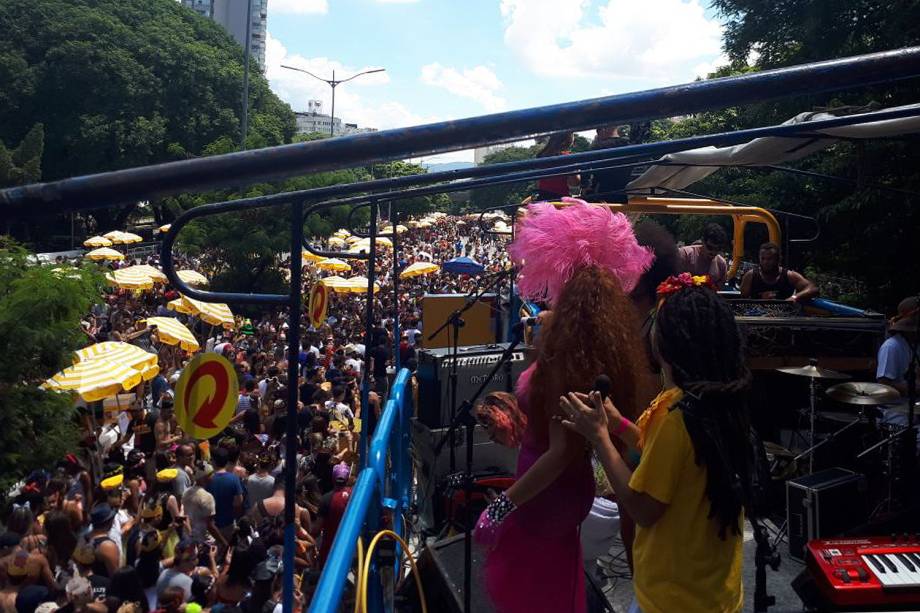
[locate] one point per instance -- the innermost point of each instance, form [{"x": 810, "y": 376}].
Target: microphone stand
[
  {"x": 455, "y": 320},
  {"x": 464, "y": 417}
]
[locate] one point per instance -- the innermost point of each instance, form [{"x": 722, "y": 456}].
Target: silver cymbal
[
  {"x": 813, "y": 372},
  {"x": 855, "y": 392}
]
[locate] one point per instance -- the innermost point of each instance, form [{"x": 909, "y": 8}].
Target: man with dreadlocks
[{"x": 690, "y": 489}]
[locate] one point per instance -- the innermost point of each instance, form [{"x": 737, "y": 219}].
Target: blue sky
[{"x": 447, "y": 59}]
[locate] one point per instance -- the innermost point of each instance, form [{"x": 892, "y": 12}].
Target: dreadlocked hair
[
  {"x": 594, "y": 331},
  {"x": 698, "y": 337}
]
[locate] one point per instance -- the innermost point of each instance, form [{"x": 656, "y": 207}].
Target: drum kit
[{"x": 865, "y": 398}]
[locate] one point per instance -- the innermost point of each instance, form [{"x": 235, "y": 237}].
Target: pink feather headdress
[{"x": 551, "y": 244}]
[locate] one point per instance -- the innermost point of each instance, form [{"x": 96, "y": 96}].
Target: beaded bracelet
[
  {"x": 621, "y": 427},
  {"x": 500, "y": 507}
]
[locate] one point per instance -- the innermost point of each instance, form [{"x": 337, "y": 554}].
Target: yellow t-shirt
[{"x": 680, "y": 562}]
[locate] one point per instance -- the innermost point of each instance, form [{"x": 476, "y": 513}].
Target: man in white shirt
[
  {"x": 894, "y": 358},
  {"x": 353, "y": 362}
]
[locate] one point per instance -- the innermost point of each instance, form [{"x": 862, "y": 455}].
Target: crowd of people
[{"x": 144, "y": 518}]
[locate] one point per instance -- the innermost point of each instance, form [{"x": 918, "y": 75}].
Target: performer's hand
[
  {"x": 588, "y": 419},
  {"x": 614, "y": 417}
]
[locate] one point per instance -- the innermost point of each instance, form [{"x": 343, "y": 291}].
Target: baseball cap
[
  {"x": 101, "y": 513},
  {"x": 341, "y": 472}
]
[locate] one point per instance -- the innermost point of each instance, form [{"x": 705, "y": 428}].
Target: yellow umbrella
[
  {"x": 97, "y": 241},
  {"x": 337, "y": 284},
  {"x": 94, "y": 379},
  {"x": 214, "y": 313},
  {"x": 128, "y": 237},
  {"x": 412, "y": 224},
  {"x": 192, "y": 277},
  {"x": 130, "y": 279},
  {"x": 157, "y": 275},
  {"x": 112, "y": 235},
  {"x": 172, "y": 332},
  {"x": 121, "y": 353},
  {"x": 351, "y": 240},
  {"x": 104, "y": 253},
  {"x": 164, "y": 228},
  {"x": 418, "y": 269},
  {"x": 358, "y": 285},
  {"x": 333, "y": 264},
  {"x": 336, "y": 241},
  {"x": 342, "y": 232},
  {"x": 424, "y": 224},
  {"x": 312, "y": 257}
]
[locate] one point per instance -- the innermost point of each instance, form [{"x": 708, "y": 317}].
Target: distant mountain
[{"x": 447, "y": 166}]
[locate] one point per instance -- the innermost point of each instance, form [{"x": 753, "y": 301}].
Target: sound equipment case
[{"x": 823, "y": 505}]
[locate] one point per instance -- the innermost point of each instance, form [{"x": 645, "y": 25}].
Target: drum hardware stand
[
  {"x": 464, "y": 417},
  {"x": 833, "y": 435}
]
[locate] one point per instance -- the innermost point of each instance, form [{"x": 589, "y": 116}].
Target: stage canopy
[{"x": 681, "y": 169}]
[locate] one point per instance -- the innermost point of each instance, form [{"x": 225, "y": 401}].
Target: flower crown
[{"x": 675, "y": 283}]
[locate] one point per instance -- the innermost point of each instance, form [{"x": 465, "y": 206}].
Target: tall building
[
  {"x": 205, "y": 8},
  {"x": 314, "y": 120},
  {"x": 231, "y": 14}
]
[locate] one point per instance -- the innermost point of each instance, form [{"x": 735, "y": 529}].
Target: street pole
[
  {"x": 332, "y": 83},
  {"x": 244, "y": 123}
]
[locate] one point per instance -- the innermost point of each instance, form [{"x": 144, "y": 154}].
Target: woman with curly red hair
[{"x": 583, "y": 260}]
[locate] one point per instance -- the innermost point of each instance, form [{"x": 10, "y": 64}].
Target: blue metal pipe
[
  {"x": 246, "y": 167},
  {"x": 331, "y": 584}
]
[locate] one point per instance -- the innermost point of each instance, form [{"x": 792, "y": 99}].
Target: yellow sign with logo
[
  {"x": 319, "y": 303},
  {"x": 206, "y": 396}
]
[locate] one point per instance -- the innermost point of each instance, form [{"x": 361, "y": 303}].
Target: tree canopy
[
  {"x": 124, "y": 83},
  {"x": 40, "y": 312},
  {"x": 866, "y": 234}
]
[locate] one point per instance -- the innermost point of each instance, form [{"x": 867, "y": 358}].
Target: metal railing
[
  {"x": 383, "y": 486},
  {"x": 378, "y": 489}
]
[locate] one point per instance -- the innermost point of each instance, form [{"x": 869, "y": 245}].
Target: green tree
[
  {"x": 40, "y": 311},
  {"x": 866, "y": 233},
  {"x": 506, "y": 193},
  {"x": 123, "y": 83},
  {"x": 22, "y": 165}
]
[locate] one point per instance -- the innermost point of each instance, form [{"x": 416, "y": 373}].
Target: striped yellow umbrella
[
  {"x": 129, "y": 237},
  {"x": 412, "y": 224},
  {"x": 94, "y": 379},
  {"x": 337, "y": 284},
  {"x": 333, "y": 264},
  {"x": 121, "y": 353},
  {"x": 418, "y": 269},
  {"x": 342, "y": 232},
  {"x": 130, "y": 279},
  {"x": 104, "y": 253},
  {"x": 351, "y": 240},
  {"x": 214, "y": 313},
  {"x": 164, "y": 228},
  {"x": 311, "y": 257},
  {"x": 192, "y": 277},
  {"x": 97, "y": 241},
  {"x": 172, "y": 332},
  {"x": 358, "y": 285},
  {"x": 337, "y": 241},
  {"x": 153, "y": 272}
]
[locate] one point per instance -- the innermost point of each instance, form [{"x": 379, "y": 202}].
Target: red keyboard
[{"x": 870, "y": 571}]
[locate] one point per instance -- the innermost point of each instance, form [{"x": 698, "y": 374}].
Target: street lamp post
[{"x": 333, "y": 82}]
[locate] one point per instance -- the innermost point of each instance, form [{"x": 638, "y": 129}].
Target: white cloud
[
  {"x": 397, "y": 1},
  {"x": 300, "y": 7},
  {"x": 478, "y": 83},
  {"x": 654, "y": 40},
  {"x": 297, "y": 88}
]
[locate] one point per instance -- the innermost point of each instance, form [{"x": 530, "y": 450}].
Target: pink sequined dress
[{"x": 536, "y": 563}]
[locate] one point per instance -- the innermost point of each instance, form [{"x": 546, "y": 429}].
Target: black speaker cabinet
[{"x": 822, "y": 505}]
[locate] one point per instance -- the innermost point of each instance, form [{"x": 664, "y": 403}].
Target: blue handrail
[{"x": 375, "y": 489}]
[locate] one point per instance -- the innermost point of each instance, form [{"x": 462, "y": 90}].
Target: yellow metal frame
[{"x": 741, "y": 216}]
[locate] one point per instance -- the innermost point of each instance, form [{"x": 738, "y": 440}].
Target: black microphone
[{"x": 603, "y": 385}]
